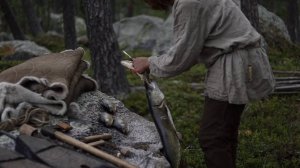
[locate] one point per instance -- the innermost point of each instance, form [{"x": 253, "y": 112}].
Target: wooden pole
[
  {"x": 88, "y": 148},
  {"x": 96, "y": 143},
  {"x": 93, "y": 138},
  {"x": 295, "y": 73}
]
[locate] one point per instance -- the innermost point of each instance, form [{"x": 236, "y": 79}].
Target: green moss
[
  {"x": 6, "y": 50},
  {"x": 272, "y": 135},
  {"x": 285, "y": 59},
  {"x": 140, "y": 8},
  {"x": 270, "y": 129},
  {"x": 7, "y": 64},
  {"x": 137, "y": 102},
  {"x": 87, "y": 57},
  {"x": 54, "y": 43}
]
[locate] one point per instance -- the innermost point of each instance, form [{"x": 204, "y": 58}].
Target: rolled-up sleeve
[{"x": 189, "y": 36}]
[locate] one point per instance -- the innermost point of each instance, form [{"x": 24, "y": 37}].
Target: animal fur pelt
[
  {"x": 50, "y": 81},
  {"x": 14, "y": 94}
]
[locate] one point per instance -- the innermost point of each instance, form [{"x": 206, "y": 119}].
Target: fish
[
  {"x": 106, "y": 118},
  {"x": 162, "y": 118},
  {"x": 164, "y": 123},
  {"x": 127, "y": 64},
  {"x": 120, "y": 125},
  {"x": 109, "y": 106}
]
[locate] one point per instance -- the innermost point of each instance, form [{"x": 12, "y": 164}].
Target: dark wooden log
[
  {"x": 32, "y": 18},
  {"x": 69, "y": 24},
  {"x": 106, "y": 56},
  {"x": 294, "y": 73},
  {"x": 286, "y": 78},
  {"x": 288, "y": 88},
  {"x": 11, "y": 21}
]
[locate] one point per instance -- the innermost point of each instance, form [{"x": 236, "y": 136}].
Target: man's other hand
[{"x": 140, "y": 64}]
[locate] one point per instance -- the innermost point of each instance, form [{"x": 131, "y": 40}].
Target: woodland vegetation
[{"x": 270, "y": 129}]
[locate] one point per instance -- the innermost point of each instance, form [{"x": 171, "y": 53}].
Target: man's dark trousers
[{"x": 219, "y": 132}]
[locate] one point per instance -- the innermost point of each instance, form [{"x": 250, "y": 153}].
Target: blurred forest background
[{"x": 270, "y": 129}]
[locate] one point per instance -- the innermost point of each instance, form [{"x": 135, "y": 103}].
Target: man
[{"x": 217, "y": 34}]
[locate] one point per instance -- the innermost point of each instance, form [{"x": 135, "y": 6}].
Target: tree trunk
[
  {"x": 250, "y": 9},
  {"x": 129, "y": 9},
  {"x": 11, "y": 21},
  {"x": 269, "y": 4},
  {"x": 33, "y": 20},
  {"x": 69, "y": 24},
  {"x": 113, "y": 9},
  {"x": 293, "y": 20},
  {"x": 105, "y": 52},
  {"x": 43, "y": 10},
  {"x": 56, "y": 6}
]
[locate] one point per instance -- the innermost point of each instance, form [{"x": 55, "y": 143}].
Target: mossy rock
[
  {"x": 275, "y": 39},
  {"x": 6, "y": 50},
  {"x": 54, "y": 42},
  {"x": 7, "y": 64}
]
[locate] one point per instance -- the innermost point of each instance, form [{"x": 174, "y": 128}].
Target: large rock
[
  {"x": 271, "y": 25},
  {"x": 142, "y": 140},
  {"x": 57, "y": 24},
  {"x": 273, "y": 28},
  {"x": 150, "y": 33},
  {"x": 139, "y": 32},
  {"x": 5, "y": 36},
  {"x": 20, "y": 50},
  {"x": 164, "y": 41}
]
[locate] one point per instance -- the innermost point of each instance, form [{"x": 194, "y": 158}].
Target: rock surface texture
[
  {"x": 142, "y": 140},
  {"x": 154, "y": 34},
  {"x": 21, "y": 50},
  {"x": 139, "y": 32}
]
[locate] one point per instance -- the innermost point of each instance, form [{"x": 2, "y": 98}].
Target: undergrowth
[{"x": 269, "y": 135}]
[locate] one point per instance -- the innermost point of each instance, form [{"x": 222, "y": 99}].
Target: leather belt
[{"x": 253, "y": 45}]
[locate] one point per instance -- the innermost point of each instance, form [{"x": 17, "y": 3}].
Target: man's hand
[{"x": 140, "y": 64}]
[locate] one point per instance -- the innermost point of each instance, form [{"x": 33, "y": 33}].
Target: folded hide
[
  {"x": 50, "y": 81},
  {"x": 11, "y": 94}
]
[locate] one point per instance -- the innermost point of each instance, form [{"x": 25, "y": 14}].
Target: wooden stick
[
  {"x": 100, "y": 142},
  {"x": 288, "y": 88},
  {"x": 287, "y": 78},
  {"x": 65, "y": 138},
  {"x": 105, "y": 136},
  {"x": 296, "y": 73},
  {"x": 288, "y": 82},
  {"x": 285, "y": 93}
]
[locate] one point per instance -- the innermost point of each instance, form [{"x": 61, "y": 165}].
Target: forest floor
[{"x": 269, "y": 135}]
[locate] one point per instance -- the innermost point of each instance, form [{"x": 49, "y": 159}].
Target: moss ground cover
[{"x": 269, "y": 135}]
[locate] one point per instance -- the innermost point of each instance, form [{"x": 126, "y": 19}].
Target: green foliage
[
  {"x": 269, "y": 135},
  {"x": 270, "y": 130},
  {"x": 7, "y": 64},
  {"x": 285, "y": 59},
  {"x": 87, "y": 57},
  {"x": 139, "y": 8},
  {"x": 279, "y": 7},
  {"x": 54, "y": 43},
  {"x": 6, "y": 50},
  {"x": 137, "y": 102}
]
